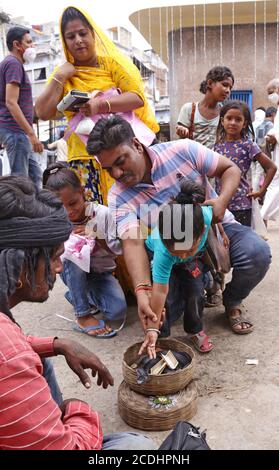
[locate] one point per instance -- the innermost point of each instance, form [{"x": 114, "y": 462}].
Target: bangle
[
  {"x": 109, "y": 106},
  {"x": 143, "y": 284},
  {"x": 58, "y": 81},
  {"x": 146, "y": 288},
  {"x": 152, "y": 329}
]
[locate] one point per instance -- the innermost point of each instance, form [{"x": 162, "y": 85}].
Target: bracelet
[
  {"x": 109, "y": 106},
  {"x": 144, "y": 288},
  {"x": 143, "y": 284},
  {"x": 58, "y": 81},
  {"x": 153, "y": 329}
]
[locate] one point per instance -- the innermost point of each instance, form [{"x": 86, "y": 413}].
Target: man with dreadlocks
[{"x": 33, "y": 228}]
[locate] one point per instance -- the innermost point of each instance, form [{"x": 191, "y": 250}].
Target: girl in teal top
[{"x": 177, "y": 244}]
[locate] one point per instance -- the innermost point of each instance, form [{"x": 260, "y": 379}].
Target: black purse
[{"x": 185, "y": 436}]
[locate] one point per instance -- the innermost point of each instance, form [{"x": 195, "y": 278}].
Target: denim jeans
[
  {"x": 127, "y": 441},
  {"x": 34, "y": 170},
  {"x": 19, "y": 151},
  {"x": 99, "y": 289},
  {"x": 49, "y": 375},
  {"x": 250, "y": 259}
]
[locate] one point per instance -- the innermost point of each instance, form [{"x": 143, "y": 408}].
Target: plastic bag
[{"x": 257, "y": 223}]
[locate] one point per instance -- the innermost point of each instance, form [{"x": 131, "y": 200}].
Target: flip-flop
[{"x": 101, "y": 325}]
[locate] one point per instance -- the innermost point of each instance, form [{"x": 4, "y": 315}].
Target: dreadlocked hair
[{"x": 32, "y": 224}]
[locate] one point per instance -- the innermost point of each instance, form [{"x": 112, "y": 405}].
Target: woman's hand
[
  {"x": 79, "y": 358},
  {"x": 144, "y": 310},
  {"x": 90, "y": 108},
  {"x": 149, "y": 344},
  {"x": 65, "y": 72}
]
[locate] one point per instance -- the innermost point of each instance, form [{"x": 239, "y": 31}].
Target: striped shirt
[
  {"x": 29, "y": 418},
  {"x": 170, "y": 160},
  {"x": 12, "y": 71}
]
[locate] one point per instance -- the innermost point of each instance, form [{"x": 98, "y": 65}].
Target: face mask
[
  {"x": 274, "y": 98},
  {"x": 29, "y": 54}
]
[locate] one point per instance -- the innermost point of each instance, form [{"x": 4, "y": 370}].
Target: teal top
[{"x": 163, "y": 260}]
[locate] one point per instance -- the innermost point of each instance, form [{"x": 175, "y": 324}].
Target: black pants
[{"x": 186, "y": 297}]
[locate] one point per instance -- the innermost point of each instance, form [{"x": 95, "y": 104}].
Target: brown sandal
[{"x": 234, "y": 321}]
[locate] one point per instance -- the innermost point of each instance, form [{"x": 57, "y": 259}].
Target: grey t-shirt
[{"x": 204, "y": 129}]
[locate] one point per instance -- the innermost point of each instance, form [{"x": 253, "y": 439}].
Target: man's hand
[
  {"x": 144, "y": 310},
  {"x": 36, "y": 144},
  {"x": 182, "y": 131},
  {"x": 219, "y": 208},
  {"x": 80, "y": 358}
]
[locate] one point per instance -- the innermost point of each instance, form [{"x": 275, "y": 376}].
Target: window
[
  {"x": 40, "y": 74},
  {"x": 243, "y": 95}
]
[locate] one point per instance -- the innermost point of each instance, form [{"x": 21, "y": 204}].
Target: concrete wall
[{"x": 185, "y": 76}]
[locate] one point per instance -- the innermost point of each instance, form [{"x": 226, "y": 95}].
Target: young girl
[
  {"x": 98, "y": 289},
  {"x": 233, "y": 141},
  {"x": 178, "y": 246},
  {"x": 199, "y": 121}
]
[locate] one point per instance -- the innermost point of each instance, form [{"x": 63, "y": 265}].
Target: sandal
[
  {"x": 201, "y": 342},
  {"x": 234, "y": 321},
  {"x": 213, "y": 300},
  {"x": 100, "y": 326}
]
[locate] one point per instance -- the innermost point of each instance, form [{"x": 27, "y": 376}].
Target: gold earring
[{"x": 19, "y": 285}]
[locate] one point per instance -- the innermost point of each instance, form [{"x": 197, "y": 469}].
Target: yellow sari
[{"x": 114, "y": 71}]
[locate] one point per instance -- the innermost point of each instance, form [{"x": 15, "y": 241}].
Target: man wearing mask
[
  {"x": 16, "y": 105},
  {"x": 270, "y": 209}
]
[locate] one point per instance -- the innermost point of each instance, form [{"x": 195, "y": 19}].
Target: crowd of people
[{"x": 118, "y": 191}]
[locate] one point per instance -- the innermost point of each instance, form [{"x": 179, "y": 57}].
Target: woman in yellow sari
[{"x": 93, "y": 63}]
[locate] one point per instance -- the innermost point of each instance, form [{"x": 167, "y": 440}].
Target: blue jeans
[
  {"x": 127, "y": 441},
  {"x": 49, "y": 375},
  {"x": 34, "y": 171},
  {"x": 19, "y": 151},
  {"x": 99, "y": 289},
  {"x": 250, "y": 259}
]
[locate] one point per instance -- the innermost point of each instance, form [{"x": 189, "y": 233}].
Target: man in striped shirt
[
  {"x": 16, "y": 106},
  {"x": 146, "y": 178}
]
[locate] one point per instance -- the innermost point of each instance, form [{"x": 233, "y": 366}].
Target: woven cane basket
[
  {"x": 158, "y": 384},
  {"x": 139, "y": 410}
]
